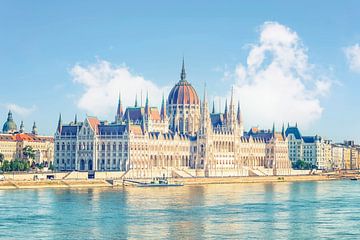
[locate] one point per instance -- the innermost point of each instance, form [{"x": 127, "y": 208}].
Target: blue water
[{"x": 309, "y": 210}]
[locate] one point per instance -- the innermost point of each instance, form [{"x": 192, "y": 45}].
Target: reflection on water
[{"x": 308, "y": 210}]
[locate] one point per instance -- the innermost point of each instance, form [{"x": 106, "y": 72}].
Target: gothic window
[
  {"x": 63, "y": 146},
  {"x": 103, "y": 147}
]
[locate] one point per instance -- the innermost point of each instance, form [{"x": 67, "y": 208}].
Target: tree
[
  {"x": 1, "y": 158},
  {"x": 29, "y": 152},
  {"x": 302, "y": 165},
  {"x": 51, "y": 166},
  {"x": 5, "y": 167}
]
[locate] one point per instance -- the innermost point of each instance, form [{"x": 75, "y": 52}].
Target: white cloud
[
  {"x": 19, "y": 110},
  {"x": 278, "y": 84},
  {"x": 102, "y": 83},
  {"x": 353, "y": 56}
]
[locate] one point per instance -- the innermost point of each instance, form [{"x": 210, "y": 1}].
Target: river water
[{"x": 299, "y": 210}]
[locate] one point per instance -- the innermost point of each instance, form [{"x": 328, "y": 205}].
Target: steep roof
[
  {"x": 94, "y": 123},
  {"x": 217, "y": 119},
  {"x": 293, "y": 130},
  {"x": 112, "y": 129}
]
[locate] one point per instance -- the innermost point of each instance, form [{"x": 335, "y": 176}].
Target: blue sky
[{"x": 49, "y": 49}]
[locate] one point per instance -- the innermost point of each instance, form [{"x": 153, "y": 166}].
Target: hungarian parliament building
[{"x": 183, "y": 139}]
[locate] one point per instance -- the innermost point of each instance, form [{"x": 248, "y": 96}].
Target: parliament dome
[{"x": 183, "y": 92}]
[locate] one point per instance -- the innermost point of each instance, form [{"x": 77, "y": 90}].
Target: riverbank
[
  {"x": 7, "y": 184},
  {"x": 54, "y": 184}
]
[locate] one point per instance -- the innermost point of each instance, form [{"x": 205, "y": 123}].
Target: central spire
[{"x": 183, "y": 73}]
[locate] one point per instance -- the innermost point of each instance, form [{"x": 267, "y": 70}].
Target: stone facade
[
  {"x": 182, "y": 139},
  {"x": 13, "y": 141}
]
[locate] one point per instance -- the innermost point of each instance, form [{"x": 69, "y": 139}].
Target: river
[{"x": 293, "y": 210}]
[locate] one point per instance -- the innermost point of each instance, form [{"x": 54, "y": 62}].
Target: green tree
[
  {"x": 51, "y": 166},
  {"x": 1, "y": 158},
  {"x": 29, "y": 152},
  {"x": 302, "y": 165},
  {"x": 5, "y": 167}
]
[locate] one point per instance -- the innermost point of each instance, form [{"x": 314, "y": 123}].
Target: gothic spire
[
  {"x": 226, "y": 109},
  {"x": 283, "y": 130},
  {"x": 136, "y": 101},
  {"x": 163, "y": 108},
  {"x": 213, "y": 107},
  {"x": 238, "y": 114},
  {"x": 183, "y": 73},
  {"x": 147, "y": 107},
  {"x": 59, "y": 127},
  {"x": 273, "y": 130},
  {"x": 119, "y": 111}
]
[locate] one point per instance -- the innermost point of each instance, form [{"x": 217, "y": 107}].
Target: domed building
[
  {"x": 183, "y": 106},
  {"x": 9, "y": 126}
]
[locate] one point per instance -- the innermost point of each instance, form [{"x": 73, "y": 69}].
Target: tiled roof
[
  {"x": 136, "y": 129},
  {"x": 94, "y": 123},
  {"x": 136, "y": 114},
  {"x": 69, "y": 130},
  {"x": 154, "y": 114},
  {"x": 293, "y": 130},
  {"x": 113, "y": 129},
  {"x": 20, "y": 137},
  {"x": 183, "y": 93},
  {"x": 217, "y": 119},
  {"x": 311, "y": 139}
]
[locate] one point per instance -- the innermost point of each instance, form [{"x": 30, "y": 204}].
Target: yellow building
[{"x": 13, "y": 141}]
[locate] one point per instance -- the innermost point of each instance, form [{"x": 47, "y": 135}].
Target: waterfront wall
[{"x": 33, "y": 176}]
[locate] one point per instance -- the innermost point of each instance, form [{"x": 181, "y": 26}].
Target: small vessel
[
  {"x": 354, "y": 179},
  {"x": 159, "y": 182}
]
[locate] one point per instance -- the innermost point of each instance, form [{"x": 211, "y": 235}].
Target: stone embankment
[
  {"x": 89, "y": 183},
  {"x": 7, "y": 184}
]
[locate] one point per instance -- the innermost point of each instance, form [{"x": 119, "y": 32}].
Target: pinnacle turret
[
  {"x": 183, "y": 73},
  {"x": 163, "y": 109}
]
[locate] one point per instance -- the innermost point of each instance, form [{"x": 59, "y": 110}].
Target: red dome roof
[{"x": 183, "y": 93}]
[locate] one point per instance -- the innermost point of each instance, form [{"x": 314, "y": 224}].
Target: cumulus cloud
[
  {"x": 353, "y": 56},
  {"x": 19, "y": 110},
  {"x": 277, "y": 83},
  {"x": 102, "y": 83}
]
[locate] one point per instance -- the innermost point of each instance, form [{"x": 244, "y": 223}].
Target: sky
[{"x": 288, "y": 62}]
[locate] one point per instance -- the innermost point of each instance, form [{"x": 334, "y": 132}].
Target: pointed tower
[
  {"x": 213, "y": 107},
  {"x": 119, "y": 111},
  {"x": 226, "y": 111},
  {"x": 75, "y": 120},
  {"x": 283, "y": 131},
  {"x": 240, "y": 120},
  {"x": 205, "y": 123},
  {"x": 183, "y": 73},
  {"x": 273, "y": 130},
  {"x": 232, "y": 116},
  {"x": 136, "y": 101},
  {"x": 34, "y": 129},
  {"x": 147, "y": 107},
  {"x": 22, "y": 128},
  {"x": 59, "y": 127},
  {"x": 204, "y": 141},
  {"x": 163, "y": 109}
]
